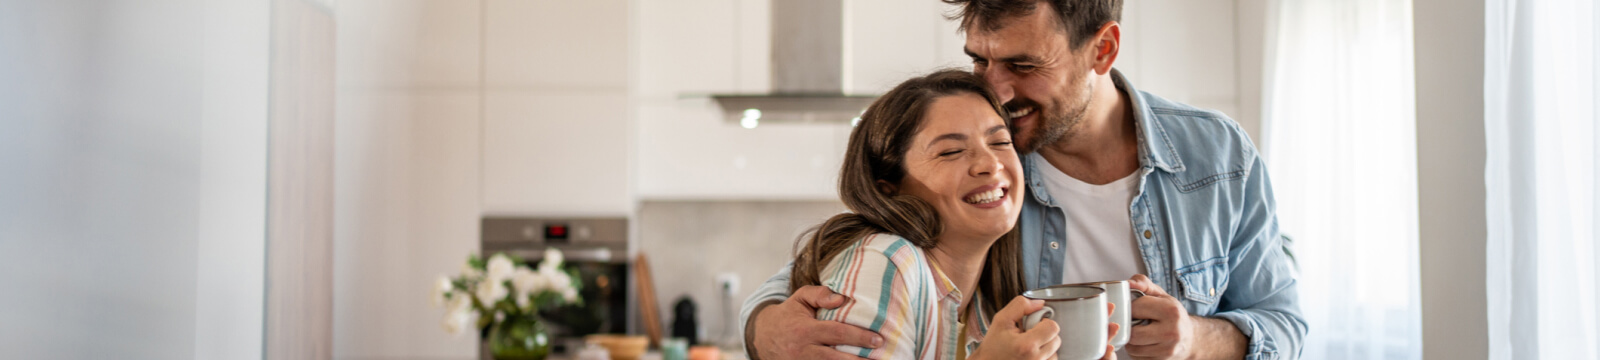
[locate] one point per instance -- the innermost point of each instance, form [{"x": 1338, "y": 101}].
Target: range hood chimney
[{"x": 809, "y": 70}]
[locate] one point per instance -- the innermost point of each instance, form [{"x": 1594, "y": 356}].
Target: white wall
[
  {"x": 233, "y": 154},
  {"x": 557, "y": 135},
  {"x": 1189, "y": 51},
  {"x": 406, "y": 172},
  {"x": 127, "y": 151},
  {"x": 449, "y": 110}
]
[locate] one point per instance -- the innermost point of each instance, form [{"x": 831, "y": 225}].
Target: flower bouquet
[{"x": 503, "y": 297}]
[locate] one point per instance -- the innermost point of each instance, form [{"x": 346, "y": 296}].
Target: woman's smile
[{"x": 988, "y": 196}]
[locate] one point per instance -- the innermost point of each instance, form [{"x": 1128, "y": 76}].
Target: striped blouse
[{"x": 894, "y": 290}]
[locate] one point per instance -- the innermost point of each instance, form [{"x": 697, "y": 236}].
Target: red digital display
[{"x": 555, "y": 232}]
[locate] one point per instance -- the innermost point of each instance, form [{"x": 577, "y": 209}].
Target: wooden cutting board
[{"x": 647, "y": 300}]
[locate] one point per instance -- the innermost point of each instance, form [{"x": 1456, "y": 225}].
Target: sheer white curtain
[
  {"x": 1540, "y": 97},
  {"x": 1340, "y": 144}
]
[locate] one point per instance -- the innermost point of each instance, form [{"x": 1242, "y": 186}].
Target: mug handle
[
  {"x": 1136, "y": 294},
  {"x": 1037, "y": 316}
]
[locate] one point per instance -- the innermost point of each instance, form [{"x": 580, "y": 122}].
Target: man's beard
[{"x": 1060, "y": 123}]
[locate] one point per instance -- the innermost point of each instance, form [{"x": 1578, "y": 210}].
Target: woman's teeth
[{"x": 985, "y": 197}]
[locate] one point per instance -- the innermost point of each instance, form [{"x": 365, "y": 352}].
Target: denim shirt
[{"x": 1205, "y": 219}]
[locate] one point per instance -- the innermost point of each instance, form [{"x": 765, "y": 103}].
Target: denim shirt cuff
[{"x": 1260, "y": 348}]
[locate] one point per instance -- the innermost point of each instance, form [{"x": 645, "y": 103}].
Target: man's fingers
[
  {"x": 1143, "y": 283},
  {"x": 1152, "y": 334},
  {"x": 1155, "y": 309},
  {"x": 824, "y": 352},
  {"x": 817, "y": 297},
  {"x": 837, "y": 333}
]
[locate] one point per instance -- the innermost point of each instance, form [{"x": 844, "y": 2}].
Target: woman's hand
[
  {"x": 1111, "y": 352},
  {"x": 1007, "y": 340}
]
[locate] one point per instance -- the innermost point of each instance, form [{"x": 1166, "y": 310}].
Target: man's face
[{"x": 1043, "y": 82}]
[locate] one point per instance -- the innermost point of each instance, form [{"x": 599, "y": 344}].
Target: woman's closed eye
[{"x": 951, "y": 152}]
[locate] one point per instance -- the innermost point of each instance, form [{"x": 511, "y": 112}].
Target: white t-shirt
[{"x": 1100, "y": 244}]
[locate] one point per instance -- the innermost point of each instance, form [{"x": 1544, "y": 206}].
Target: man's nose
[{"x": 1000, "y": 80}]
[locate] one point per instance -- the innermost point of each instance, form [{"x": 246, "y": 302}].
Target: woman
[{"x": 929, "y": 250}]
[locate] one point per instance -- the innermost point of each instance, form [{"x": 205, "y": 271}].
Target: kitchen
[{"x": 368, "y": 147}]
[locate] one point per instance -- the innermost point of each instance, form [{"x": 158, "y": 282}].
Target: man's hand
[
  {"x": 1171, "y": 332},
  {"x": 790, "y": 330}
]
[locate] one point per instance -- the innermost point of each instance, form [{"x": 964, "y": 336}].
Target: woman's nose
[{"x": 986, "y": 162}]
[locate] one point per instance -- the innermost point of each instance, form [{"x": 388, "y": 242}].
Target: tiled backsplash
[{"x": 690, "y": 242}]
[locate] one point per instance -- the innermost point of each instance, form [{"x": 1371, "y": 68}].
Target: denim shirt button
[
  {"x": 1055, "y": 245},
  {"x": 1147, "y": 234}
]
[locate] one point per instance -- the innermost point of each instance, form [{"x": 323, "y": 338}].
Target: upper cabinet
[
  {"x": 557, "y": 133},
  {"x": 688, "y": 49}
]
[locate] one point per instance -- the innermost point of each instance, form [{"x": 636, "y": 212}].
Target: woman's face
[{"x": 962, "y": 163}]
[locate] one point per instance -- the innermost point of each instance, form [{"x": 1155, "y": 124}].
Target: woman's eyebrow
[
  {"x": 995, "y": 129},
  {"x": 950, "y": 136}
]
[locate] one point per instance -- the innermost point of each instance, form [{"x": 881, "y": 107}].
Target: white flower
[
  {"x": 470, "y": 272},
  {"x": 441, "y": 288},
  {"x": 569, "y": 294},
  {"x": 526, "y": 281},
  {"x": 458, "y": 313},
  {"x": 559, "y": 281},
  {"x": 457, "y": 320},
  {"x": 552, "y": 260},
  {"x": 491, "y": 290},
  {"x": 500, "y": 267}
]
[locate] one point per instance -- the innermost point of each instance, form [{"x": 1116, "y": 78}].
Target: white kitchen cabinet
[
  {"x": 688, "y": 49},
  {"x": 557, "y": 133},
  {"x": 548, "y": 153}
]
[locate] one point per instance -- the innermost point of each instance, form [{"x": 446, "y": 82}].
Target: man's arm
[
  {"x": 1259, "y": 313},
  {"x": 778, "y": 326},
  {"x": 1263, "y": 299},
  {"x": 774, "y": 290}
]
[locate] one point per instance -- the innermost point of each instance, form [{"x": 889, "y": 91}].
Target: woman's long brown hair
[{"x": 876, "y": 152}]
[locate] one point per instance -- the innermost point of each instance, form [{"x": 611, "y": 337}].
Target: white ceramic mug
[
  {"x": 1118, "y": 293},
  {"x": 1080, "y": 311}
]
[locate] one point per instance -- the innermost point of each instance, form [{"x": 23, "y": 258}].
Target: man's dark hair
[{"x": 1080, "y": 19}]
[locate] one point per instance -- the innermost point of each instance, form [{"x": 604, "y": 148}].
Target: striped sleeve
[{"x": 883, "y": 278}]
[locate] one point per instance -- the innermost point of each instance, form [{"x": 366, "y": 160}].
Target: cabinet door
[{"x": 557, "y": 134}]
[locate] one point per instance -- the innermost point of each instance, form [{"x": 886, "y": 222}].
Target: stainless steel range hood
[{"x": 809, "y": 70}]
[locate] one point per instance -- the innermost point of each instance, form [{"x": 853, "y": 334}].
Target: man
[{"x": 1120, "y": 184}]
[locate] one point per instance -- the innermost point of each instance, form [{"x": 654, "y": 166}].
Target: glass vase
[{"x": 521, "y": 337}]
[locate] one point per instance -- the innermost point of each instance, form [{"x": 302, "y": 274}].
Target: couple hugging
[{"x": 1041, "y": 166}]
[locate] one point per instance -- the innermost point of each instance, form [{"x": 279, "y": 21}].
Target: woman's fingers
[{"x": 1010, "y": 316}]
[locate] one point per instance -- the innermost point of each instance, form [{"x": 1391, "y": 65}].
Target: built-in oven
[{"x": 596, "y": 247}]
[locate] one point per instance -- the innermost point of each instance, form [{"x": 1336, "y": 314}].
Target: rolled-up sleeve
[
  {"x": 1263, "y": 299},
  {"x": 776, "y": 289}
]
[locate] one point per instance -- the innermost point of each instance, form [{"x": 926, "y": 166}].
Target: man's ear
[
  {"x": 886, "y": 188},
  {"x": 1107, "y": 44}
]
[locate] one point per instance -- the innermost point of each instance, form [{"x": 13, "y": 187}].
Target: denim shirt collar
[{"x": 1155, "y": 149}]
